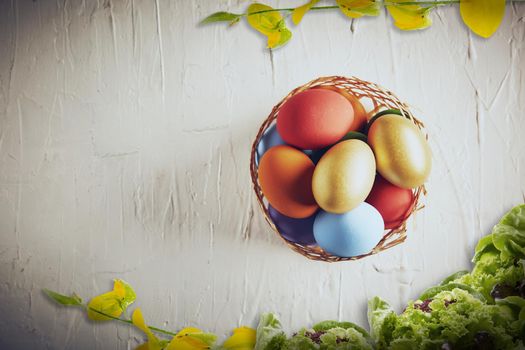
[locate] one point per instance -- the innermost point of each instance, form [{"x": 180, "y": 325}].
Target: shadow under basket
[{"x": 380, "y": 99}]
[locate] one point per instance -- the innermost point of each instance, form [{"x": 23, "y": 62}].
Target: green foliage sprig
[
  {"x": 483, "y": 17},
  {"x": 111, "y": 305}
]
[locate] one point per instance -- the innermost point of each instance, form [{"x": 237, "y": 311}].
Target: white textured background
[{"x": 125, "y": 131}]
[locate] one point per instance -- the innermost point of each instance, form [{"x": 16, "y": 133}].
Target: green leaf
[
  {"x": 269, "y": 23},
  {"x": 327, "y": 325},
  {"x": 73, "y": 300},
  {"x": 509, "y": 234},
  {"x": 355, "y": 135},
  {"x": 382, "y": 320},
  {"x": 485, "y": 244},
  {"x": 222, "y": 17},
  {"x": 432, "y": 291},
  {"x": 359, "y": 8},
  {"x": 299, "y": 12},
  {"x": 454, "y": 277},
  {"x": 269, "y": 328}
]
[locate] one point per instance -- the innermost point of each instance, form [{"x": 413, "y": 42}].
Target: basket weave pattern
[{"x": 381, "y": 99}]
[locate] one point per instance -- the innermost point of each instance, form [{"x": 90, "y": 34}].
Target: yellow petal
[
  {"x": 271, "y": 24},
  {"x": 299, "y": 12},
  {"x": 242, "y": 339},
  {"x": 410, "y": 17},
  {"x": 273, "y": 39},
  {"x": 118, "y": 288},
  {"x": 111, "y": 303},
  {"x": 483, "y": 17},
  {"x": 267, "y": 22},
  {"x": 185, "y": 341},
  {"x": 358, "y": 8},
  {"x": 107, "y": 303},
  {"x": 138, "y": 321}
]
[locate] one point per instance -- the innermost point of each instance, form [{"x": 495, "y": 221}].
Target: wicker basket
[{"x": 381, "y": 99}]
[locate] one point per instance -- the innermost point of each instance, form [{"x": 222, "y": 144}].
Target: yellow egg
[
  {"x": 402, "y": 153},
  {"x": 344, "y": 176}
]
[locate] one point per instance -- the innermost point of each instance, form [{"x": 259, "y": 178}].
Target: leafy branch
[
  {"x": 111, "y": 305},
  {"x": 483, "y": 17}
]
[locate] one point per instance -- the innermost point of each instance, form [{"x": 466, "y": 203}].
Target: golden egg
[
  {"x": 402, "y": 153},
  {"x": 344, "y": 176}
]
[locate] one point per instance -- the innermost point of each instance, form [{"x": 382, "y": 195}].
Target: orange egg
[
  {"x": 285, "y": 176},
  {"x": 360, "y": 115}
]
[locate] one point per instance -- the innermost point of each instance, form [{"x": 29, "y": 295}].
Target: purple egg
[{"x": 295, "y": 230}]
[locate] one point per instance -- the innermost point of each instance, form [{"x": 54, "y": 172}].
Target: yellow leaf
[
  {"x": 271, "y": 24},
  {"x": 483, "y": 17},
  {"x": 410, "y": 17},
  {"x": 106, "y": 303},
  {"x": 358, "y": 8},
  {"x": 111, "y": 303},
  {"x": 188, "y": 339},
  {"x": 138, "y": 321},
  {"x": 299, "y": 12},
  {"x": 242, "y": 339}
]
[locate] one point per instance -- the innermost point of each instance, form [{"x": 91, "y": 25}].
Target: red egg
[
  {"x": 314, "y": 119},
  {"x": 392, "y": 202}
]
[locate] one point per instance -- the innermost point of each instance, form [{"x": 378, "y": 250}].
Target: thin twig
[{"x": 158, "y": 330}]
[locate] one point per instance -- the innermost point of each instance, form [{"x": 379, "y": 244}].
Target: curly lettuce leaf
[
  {"x": 432, "y": 291},
  {"x": 300, "y": 342},
  {"x": 509, "y": 234},
  {"x": 327, "y": 325},
  {"x": 455, "y": 317},
  {"x": 269, "y": 333},
  {"x": 496, "y": 259},
  {"x": 341, "y": 338},
  {"x": 382, "y": 320},
  {"x": 454, "y": 277}
]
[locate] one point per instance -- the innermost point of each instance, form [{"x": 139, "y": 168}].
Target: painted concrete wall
[{"x": 125, "y": 131}]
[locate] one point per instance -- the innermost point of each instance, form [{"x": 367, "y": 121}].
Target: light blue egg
[
  {"x": 353, "y": 233},
  {"x": 270, "y": 139}
]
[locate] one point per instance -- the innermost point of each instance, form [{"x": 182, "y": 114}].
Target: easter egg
[
  {"x": 360, "y": 115},
  {"x": 402, "y": 153},
  {"x": 353, "y": 233},
  {"x": 294, "y": 230},
  {"x": 285, "y": 176},
  {"x": 344, "y": 176},
  {"x": 270, "y": 139},
  {"x": 315, "y": 156},
  {"x": 393, "y": 203},
  {"x": 315, "y": 118}
]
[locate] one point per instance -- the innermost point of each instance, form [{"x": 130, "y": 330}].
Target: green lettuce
[
  {"x": 382, "y": 320},
  {"x": 336, "y": 338},
  {"x": 300, "y": 341},
  {"x": 452, "y": 317},
  {"x": 497, "y": 256},
  {"x": 484, "y": 308},
  {"x": 270, "y": 335}
]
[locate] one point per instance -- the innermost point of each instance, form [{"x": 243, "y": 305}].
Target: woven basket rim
[{"x": 382, "y": 99}]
